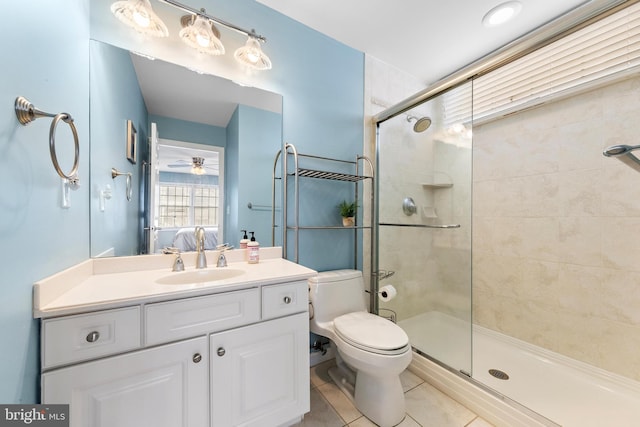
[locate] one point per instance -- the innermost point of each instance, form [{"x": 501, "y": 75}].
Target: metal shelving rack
[{"x": 294, "y": 173}]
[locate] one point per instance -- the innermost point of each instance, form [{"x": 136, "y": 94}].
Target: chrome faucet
[
  {"x": 201, "y": 259},
  {"x": 222, "y": 260}
]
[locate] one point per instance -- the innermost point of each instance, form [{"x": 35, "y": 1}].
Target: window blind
[{"x": 600, "y": 52}]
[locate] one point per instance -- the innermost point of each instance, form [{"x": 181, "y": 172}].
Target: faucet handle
[
  {"x": 178, "y": 263},
  {"x": 222, "y": 260}
]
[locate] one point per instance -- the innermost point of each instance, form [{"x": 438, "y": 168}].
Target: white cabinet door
[
  {"x": 165, "y": 386},
  {"x": 260, "y": 373}
]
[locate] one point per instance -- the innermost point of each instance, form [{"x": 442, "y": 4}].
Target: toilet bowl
[{"x": 376, "y": 349}]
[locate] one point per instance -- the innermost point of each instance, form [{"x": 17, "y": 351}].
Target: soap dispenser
[
  {"x": 245, "y": 240},
  {"x": 253, "y": 247}
]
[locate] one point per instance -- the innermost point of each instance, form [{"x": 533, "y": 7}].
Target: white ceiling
[{"x": 428, "y": 39}]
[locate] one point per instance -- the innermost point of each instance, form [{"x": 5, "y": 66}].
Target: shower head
[
  {"x": 623, "y": 152},
  {"x": 421, "y": 123},
  {"x": 619, "y": 150}
]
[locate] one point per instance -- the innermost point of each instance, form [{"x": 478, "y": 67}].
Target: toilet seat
[{"x": 372, "y": 333}]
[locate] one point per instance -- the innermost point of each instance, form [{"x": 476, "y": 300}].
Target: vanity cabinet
[
  {"x": 220, "y": 360},
  {"x": 260, "y": 373},
  {"x": 164, "y": 386}
]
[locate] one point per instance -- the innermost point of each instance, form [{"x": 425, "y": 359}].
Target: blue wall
[
  {"x": 45, "y": 51},
  {"x": 232, "y": 178},
  {"x": 115, "y": 98},
  {"x": 196, "y": 133},
  {"x": 322, "y": 83},
  {"x": 259, "y": 132}
]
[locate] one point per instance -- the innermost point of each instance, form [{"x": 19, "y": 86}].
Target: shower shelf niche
[
  {"x": 437, "y": 180},
  {"x": 437, "y": 186}
]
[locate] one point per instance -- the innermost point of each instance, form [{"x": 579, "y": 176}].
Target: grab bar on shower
[
  {"x": 623, "y": 153},
  {"x": 388, "y": 224}
]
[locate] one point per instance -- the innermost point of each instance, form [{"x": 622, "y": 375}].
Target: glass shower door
[{"x": 424, "y": 225}]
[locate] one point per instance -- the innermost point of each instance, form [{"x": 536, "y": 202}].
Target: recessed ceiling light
[{"x": 502, "y": 13}]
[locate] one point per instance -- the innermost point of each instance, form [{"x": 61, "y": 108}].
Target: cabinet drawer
[
  {"x": 88, "y": 336},
  {"x": 284, "y": 299},
  {"x": 174, "y": 320}
]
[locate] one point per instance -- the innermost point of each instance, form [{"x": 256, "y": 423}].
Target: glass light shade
[
  {"x": 139, "y": 15},
  {"x": 200, "y": 36},
  {"x": 252, "y": 56},
  {"x": 197, "y": 170}
]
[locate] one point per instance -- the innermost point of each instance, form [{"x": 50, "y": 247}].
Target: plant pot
[{"x": 348, "y": 221}]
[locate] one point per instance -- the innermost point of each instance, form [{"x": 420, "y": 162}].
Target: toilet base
[
  {"x": 381, "y": 399},
  {"x": 342, "y": 381}
]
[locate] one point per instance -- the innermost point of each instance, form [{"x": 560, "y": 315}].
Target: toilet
[{"x": 371, "y": 350}]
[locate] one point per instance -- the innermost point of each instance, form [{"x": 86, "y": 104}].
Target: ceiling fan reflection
[{"x": 196, "y": 164}]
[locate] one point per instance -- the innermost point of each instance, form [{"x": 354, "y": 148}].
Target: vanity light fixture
[
  {"x": 199, "y": 33},
  {"x": 252, "y": 55},
  {"x": 198, "y": 30},
  {"x": 139, "y": 15},
  {"x": 501, "y": 13}
]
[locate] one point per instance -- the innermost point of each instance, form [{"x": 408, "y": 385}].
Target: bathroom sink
[{"x": 199, "y": 276}]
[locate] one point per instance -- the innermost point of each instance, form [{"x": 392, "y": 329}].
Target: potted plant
[{"x": 348, "y": 212}]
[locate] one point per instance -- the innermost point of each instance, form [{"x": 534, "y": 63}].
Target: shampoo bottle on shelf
[
  {"x": 253, "y": 248},
  {"x": 245, "y": 240}
]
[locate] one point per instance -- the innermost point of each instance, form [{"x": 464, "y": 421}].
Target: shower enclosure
[
  {"x": 555, "y": 329},
  {"x": 424, "y": 225}
]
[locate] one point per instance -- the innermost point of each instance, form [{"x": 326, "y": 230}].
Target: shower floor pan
[{"x": 564, "y": 390}]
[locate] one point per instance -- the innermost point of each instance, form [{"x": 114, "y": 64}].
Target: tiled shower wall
[{"x": 556, "y": 227}]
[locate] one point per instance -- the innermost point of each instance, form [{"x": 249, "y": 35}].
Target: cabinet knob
[
  {"x": 221, "y": 351},
  {"x": 93, "y": 336},
  {"x": 197, "y": 358},
  {"x": 287, "y": 300}
]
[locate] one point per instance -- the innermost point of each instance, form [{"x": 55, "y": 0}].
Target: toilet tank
[{"x": 337, "y": 292}]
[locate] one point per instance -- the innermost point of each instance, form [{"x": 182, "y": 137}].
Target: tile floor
[{"x": 426, "y": 406}]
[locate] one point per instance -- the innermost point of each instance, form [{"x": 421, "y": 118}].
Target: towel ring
[
  {"x": 115, "y": 173},
  {"x": 27, "y": 112}
]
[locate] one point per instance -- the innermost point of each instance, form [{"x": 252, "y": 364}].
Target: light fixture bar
[{"x": 189, "y": 9}]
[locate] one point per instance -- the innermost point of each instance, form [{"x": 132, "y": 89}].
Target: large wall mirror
[{"x": 172, "y": 148}]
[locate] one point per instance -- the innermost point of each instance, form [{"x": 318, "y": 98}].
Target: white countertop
[{"x": 104, "y": 283}]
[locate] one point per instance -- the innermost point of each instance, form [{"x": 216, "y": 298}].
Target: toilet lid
[{"x": 371, "y": 332}]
